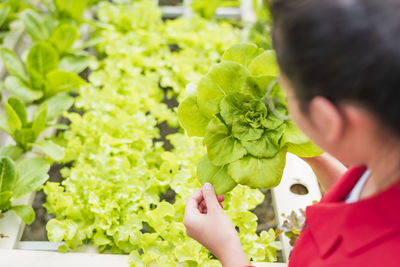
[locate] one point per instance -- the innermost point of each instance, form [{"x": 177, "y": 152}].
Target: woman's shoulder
[{"x": 363, "y": 233}]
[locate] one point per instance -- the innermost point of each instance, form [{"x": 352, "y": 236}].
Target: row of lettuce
[
  {"x": 36, "y": 91},
  {"x": 121, "y": 162}
]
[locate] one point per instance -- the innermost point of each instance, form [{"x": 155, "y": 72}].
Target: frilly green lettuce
[{"x": 111, "y": 193}]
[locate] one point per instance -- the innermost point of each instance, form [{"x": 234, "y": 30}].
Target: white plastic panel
[
  {"x": 23, "y": 258},
  {"x": 296, "y": 171}
]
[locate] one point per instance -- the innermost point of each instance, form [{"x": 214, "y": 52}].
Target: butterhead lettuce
[{"x": 241, "y": 112}]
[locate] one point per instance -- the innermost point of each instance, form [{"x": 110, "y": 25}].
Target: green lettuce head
[{"x": 241, "y": 112}]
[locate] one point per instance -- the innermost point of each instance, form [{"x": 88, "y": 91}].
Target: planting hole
[{"x": 299, "y": 189}]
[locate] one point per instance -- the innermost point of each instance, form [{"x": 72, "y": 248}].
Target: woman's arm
[{"x": 326, "y": 168}]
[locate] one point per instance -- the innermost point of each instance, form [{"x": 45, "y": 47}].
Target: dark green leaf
[{"x": 4, "y": 11}]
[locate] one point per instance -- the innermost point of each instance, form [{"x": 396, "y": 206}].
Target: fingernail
[{"x": 208, "y": 186}]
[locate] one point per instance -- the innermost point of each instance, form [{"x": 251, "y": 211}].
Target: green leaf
[
  {"x": 258, "y": 172},
  {"x": 4, "y": 11},
  {"x": 24, "y": 137},
  {"x": 5, "y": 201},
  {"x": 13, "y": 64},
  {"x": 245, "y": 114},
  {"x": 222, "y": 79},
  {"x": 34, "y": 25},
  {"x": 222, "y": 147},
  {"x": 298, "y": 143},
  {"x": 42, "y": 58},
  {"x": 272, "y": 122},
  {"x": 62, "y": 81},
  {"x": 215, "y": 175},
  {"x": 191, "y": 118},
  {"x": 13, "y": 152},
  {"x": 232, "y": 106},
  {"x": 57, "y": 104},
  {"x": 13, "y": 120},
  {"x": 33, "y": 172},
  {"x": 39, "y": 120},
  {"x": 306, "y": 150},
  {"x": 20, "y": 109},
  {"x": 242, "y": 53},
  {"x": 75, "y": 64},
  {"x": 19, "y": 89},
  {"x": 51, "y": 22},
  {"x": 205, "y": 9},
  {"x": 74, "y": 8},
  {"x": 265, "y": 64},
  {"x": 293, "y": 134},
  {"x": 63, "y": 37},
  {"x": 244, "y": 132},
  {"x": 51, "y": 149},
  {"x": 4, "y": 125},
  {"x": 257, "y": 85},
  {"x": 8, "y": 175},
  {"x": 266, "y": 146},
  {"x": 25, "y": 212}
]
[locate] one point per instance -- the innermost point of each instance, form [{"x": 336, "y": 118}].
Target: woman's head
[{"x": 345, "y": 51}]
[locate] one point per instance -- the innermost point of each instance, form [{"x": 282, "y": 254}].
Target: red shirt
[{"x": 361, "y": 234}]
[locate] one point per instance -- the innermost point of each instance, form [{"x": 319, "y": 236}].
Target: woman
[{"x": 340, "y": 69}]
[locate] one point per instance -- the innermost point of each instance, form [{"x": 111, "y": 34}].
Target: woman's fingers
[{"x": 194, "y": 201}]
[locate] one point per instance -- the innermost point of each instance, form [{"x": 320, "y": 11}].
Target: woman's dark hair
[{"x": 344, "y": 50}]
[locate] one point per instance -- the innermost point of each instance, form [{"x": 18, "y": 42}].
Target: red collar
[{"x": 357, "y": 224}]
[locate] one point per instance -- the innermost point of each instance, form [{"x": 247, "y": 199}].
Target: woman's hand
[{"x": 206, "y": 222}]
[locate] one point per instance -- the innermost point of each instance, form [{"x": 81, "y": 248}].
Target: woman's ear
[{"x": 327, "y": 119}]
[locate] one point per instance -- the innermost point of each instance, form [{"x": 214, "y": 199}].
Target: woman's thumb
[{"x": 210, "y": 197}]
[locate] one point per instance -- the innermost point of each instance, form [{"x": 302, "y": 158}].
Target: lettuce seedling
[
  {"x": 25, "y": 133},
  {"x": 17, "y": 180},
  {"x": 241, "y": 112}
]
